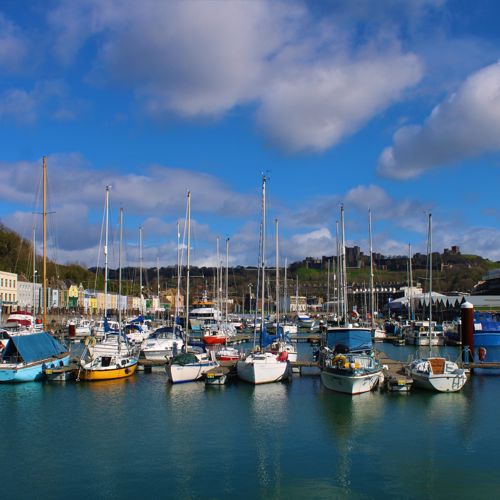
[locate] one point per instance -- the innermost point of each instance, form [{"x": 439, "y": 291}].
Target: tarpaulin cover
[
  {"x": 33, "y": 347},
  {"x": 354, "y": 339}
]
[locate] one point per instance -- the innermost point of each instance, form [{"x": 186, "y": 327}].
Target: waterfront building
[
  {"x": 8, "y": 291},
  {"x": 25, "y": 296}
]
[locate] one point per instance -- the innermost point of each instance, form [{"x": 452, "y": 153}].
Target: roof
[{"x": 33, "y": 347}]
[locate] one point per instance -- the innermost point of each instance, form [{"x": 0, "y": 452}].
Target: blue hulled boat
[
  {"x": 486, "y": 329},
  {"x": 25, "y": 357}
]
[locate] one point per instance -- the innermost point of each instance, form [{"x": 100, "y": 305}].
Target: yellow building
[{"x": 8, "y": 291}]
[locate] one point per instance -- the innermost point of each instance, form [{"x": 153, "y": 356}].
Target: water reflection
[{"x": 269, "y": 416}]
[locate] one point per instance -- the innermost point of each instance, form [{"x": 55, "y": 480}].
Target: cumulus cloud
[
  {"x": 317, "y": 106},
  {"x": 310, "y": 81},
  {"x": 13, "y": 46},
  {"x": 464, "y": 126}
]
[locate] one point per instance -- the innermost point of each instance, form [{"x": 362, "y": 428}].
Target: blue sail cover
[
  {"x": 139, "y": 319},
  {"x": 34, "y": 347},
  {"x": 266, "y": 339},
  {"x": 353, "y": 339}
]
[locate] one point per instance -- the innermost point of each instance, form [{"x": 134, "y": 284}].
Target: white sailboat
[
  {"x": 435, "y": 373},
  {"x": 113, "y": 357},
  {"x": 263, "y": 367},
  {"x": 192, "y": 364},
  {"x": 378, "y": 333}
]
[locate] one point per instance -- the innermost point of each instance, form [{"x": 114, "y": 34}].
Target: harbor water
[{"x": 144, "y": 438}]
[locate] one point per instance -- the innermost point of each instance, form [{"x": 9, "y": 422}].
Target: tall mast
[
  {"x": 327, "y": 286},
  {"x": 106, "y": 254},
  {"x": 337, "y": 275},
  {"x": 177, "y": 295},
  {"x": 219, "y": 284},
  {"x": 297, "y": 294},
  {"x": 263, "y": 270},
  {"x": 344, "y": 264},
  {"x": 120, "y": 278},
  {"x": 410, "y": 272},
  {"x": 372, "y": 301},
  {"x": 227, "y": 274},
  {"x": 158, "y": 277},
  {"x": 34, "y": 270},
  {"x": 44, "y": 300},
  {"x": 286, "y": 308},
  {"x": 277, "y": 279},
  {"x": 140, "y": 267},
  {"x": 430, "y": 277},
  {"x": 188, "y": 263}
]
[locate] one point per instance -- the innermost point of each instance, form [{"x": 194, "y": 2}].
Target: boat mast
[
  {"x": 430, "y": 279},
  {"x": 297, "y": 295},
  {"x": 158, "y": 277},
  {"x": 337, "y": 271},
  {"x": 344, "y": 265},
  {"x": 120, "y": 279},
  {"x": 277, "y": 279},
  {"x": 188, "y": 263},
  {"x": 34, "y": 270},
  {"x": 328, "y": 286},
  {"x": 372, "y": 300},
  {"x": 177, "y": 297},
  {"x": 286, "y": 305},
  {"x": 263, "y": 262},
  {"x": 227, "y": 275},
  {"x": 411, "y": 282},
  {"x": 219, "y": 284},
  {"x": 44, "y": 300},
  {"x": 140, "y": 268},
  {"x": 106, "y": 255}
]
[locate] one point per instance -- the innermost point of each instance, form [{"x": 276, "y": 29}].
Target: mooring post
[{"x": 467, "y": 332}]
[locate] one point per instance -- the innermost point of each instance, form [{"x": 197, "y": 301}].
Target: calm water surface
[{"x": 142, "y": 437}]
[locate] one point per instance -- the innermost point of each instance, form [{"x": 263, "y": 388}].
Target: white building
[
  {"x": 25, "y": 296},
  {"x": 8, "y": 291}
]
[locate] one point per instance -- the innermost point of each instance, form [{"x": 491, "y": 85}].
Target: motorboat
[
  {"x": 351, "y": 372},
  {"x": 163, "y": 343}
]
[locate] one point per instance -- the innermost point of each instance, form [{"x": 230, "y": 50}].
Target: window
[{"x": 1, "y": 281}]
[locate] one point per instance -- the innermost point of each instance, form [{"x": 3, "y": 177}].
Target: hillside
[{"x": 16, "y": 255}]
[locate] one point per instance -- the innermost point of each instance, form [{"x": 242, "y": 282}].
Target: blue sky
[{"x": 389, "y": 105}]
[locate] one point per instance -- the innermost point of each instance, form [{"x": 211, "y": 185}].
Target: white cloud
[
  {"x": 316, "y": 106},
  {"x": 464, "y": 126},
  {"x": 310, "y": 81},
  {"x": 13, "y": 46}
]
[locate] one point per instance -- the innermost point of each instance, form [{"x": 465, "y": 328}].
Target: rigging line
[{"x": 100, "y": 246}]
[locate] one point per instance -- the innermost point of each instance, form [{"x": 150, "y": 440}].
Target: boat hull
[
  {"x": 213, "y": 340},
  {"x": 350, "y": 384},
  {"x": 439, "y": 383},
  {"x": 179, "y": 374},
  {"x": 263, "y": 373},
  {"x": 107, "y": 374},
  {"x": 31, "y": 372}
]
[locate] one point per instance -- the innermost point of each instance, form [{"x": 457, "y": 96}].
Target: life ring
[
  {"x": 481, "y": 353},
  {"x": 340, "y": 359},
  {"x": 282, "y": 356}
]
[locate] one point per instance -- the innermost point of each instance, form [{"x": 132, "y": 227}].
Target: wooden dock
[{"x": 395, "y": 378}]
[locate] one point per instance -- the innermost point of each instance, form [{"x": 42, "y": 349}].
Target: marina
[{"x": 255, "y": 432}]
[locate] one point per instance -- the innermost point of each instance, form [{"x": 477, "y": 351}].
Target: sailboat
[
  {"x": 191, "y": 365},
  {"x": 112, "y": 358},
  {"x": 282, "y": 343},
  {"x": 262, "y": 367},
  {"x": 166, "y": 342},
  {"x": 435, "y": 373},
  {"x": 346, "y": 358},
  {"x": 378, "y": 333},
  {"x": 25, "y": 357}
]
